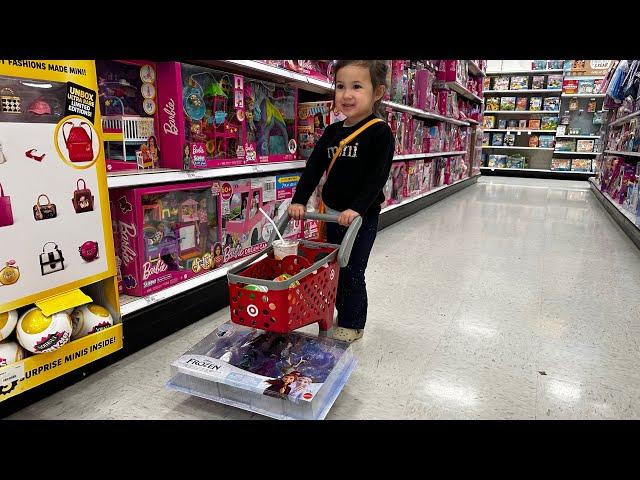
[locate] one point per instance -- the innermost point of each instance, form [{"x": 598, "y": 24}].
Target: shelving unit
[
  {"x": 521, "y": 112},
  {"x": 520, "y": 130},
  {"x": 412, "y": 156},
  {"x": 540, "y": 91},
  {"x": 583, "y": 95},
  {"x": 622, "y": 154},
  {"x": 537, "y": 173},
  {"x": 422, "y": 113},
  {"x": 475, "y": 70},
  {"x": 624, "y": 119},
  {"x": 525, "y": 72},
  {"x": 516, "y": 148},
  {"x": 625, "y": 219},
  {"x": 456, "y": 87},
  {"x": 579, "y": 136},
  {"x": 575, "y": 153}
]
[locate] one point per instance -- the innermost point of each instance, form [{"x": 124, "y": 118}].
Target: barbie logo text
[
  {"x": 170, "y": 126},
  {"x": 154, "y": 268},
  {"x": 127, "y": 235}
]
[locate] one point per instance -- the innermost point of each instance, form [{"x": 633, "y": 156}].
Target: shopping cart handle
[{"x": 347, "y": 242}]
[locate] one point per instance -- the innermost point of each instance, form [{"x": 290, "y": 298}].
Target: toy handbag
[
  {"x": 6, "y": 215},
  {"x": 43, "y": 212},
  {"x": 79, "y": 144},
  {"x": 9, "y": 274},
  {"x": 9, "y": 102},
  {"x": 322, "y": 228},
  {"x": 82, "y": 198},
  {"x": 52, "y": 260}
]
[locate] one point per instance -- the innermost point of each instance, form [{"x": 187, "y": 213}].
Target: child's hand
[
  {"x": 346, "y": 217},
  {"x": 296, "y": 211}
]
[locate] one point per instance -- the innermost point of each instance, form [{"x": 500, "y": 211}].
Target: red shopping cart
[{"x": 308, "y": 296}]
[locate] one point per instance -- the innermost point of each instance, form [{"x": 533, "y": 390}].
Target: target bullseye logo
[
  {"x": 253, "y": 311},
  {"x": 333, "y": 274}
]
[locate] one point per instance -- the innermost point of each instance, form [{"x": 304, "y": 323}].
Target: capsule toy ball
[
  {"x": 39, "y": 333},
  {"x": 8, "y": 321},
  {"x": 10, "y": 352},
  {"x": 88, "y": 319},
  {"x": 256, "y": 288}
]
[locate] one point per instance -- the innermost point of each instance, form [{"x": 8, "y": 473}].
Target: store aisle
[{"x": 514, "y": 298}]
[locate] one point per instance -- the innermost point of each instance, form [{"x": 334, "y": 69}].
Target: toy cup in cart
[{"x": 305, "y": 295}]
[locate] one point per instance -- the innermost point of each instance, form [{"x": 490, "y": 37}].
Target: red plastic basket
[{"x": 309, "y": 300}]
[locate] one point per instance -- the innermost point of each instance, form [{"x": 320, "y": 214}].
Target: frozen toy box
[
  {"x": 202, "y": 117},
  {"x": 291, "y": 376},
  {"x": 167, "y": 234}
]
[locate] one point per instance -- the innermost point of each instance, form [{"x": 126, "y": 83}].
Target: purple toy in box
[
  {"x": 202, "y": 117},
  {"x": 167, "y": 234},
  {"x": 270, "y": 122}
]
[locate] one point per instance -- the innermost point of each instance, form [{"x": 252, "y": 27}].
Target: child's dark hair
[{"x": 377, "y": 71}]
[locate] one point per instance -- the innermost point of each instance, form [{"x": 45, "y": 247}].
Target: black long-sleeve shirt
[{"x": 358, "y": 175}]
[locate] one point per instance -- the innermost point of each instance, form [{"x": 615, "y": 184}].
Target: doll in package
[
  {"x": 535, "y": 104},
  {"x": 508, "y": 103},
  {"x": 554, "y": 82},
  {"x": 551, "y": 104},
  {"x": 492, "y": 103}
]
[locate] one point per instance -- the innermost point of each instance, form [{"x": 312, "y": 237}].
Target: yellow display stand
[{"x": 55, "y": 227}]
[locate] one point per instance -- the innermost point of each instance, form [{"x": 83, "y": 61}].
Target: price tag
[
  {"x": 12, "y": 373},
  {"x": 151, "y": 299}
]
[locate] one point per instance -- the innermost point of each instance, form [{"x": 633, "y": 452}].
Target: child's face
[
  {"x": 288, "y": 379},
  {"x": 355, "y": 97}
]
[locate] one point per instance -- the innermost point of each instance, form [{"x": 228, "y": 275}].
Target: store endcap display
[{"x": 284, "y": 376}]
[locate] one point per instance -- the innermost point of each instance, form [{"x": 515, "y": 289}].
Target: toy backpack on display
[
  {"x": 44, "y": 211},
  {"x": 79, "y": 143},
  {"x": 82, "y": 198},
  {"x": 51, "y": 261},
  {"x": 6, "y": 214}
]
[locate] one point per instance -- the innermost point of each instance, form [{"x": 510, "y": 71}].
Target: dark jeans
[{"x": 351, "y": 301}]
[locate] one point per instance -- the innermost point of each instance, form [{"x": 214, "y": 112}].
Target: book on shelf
[
  {"x": 585, "y": 145},
  {"x": 554, "y": 82},
  {"x": 486, "y": 136},
  {"x": 521, "y": 104},
  {"x": 548, "y": 122},
  {"x": 509, "y": 139},
  {"x": 535, "y": 103},
  {"x": 516, "y": 161},
  {"x": 547, "y": 141},
  {"x": 551, "y": 104},
  {"x": 497, "y": 161},
  {"x": 519, "y": 82},
  {"x": 560, "y": 164},
  {"x": 581, "y": 165},
  {"x": 537, "y": 82},
  {"x": 488, "y": 121},
  {"x": 497, "y": 140},
  {"x": 501, "y": 83},
  {"x": 508, "y": 103},
  {"x": 534, "y": 124}
]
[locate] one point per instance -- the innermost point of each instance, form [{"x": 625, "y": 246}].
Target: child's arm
[{"x": 375, "y": 177}]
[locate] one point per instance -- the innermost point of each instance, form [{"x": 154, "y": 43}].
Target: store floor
[{"x": 512, "y": 299}]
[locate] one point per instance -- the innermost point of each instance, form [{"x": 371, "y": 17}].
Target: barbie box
[{"x": 291, "y": 376}]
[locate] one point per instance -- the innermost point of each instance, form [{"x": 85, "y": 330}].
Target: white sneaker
[{"x": 347, "y": 334}]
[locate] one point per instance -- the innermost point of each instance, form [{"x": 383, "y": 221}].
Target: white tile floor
[{"x": 514, "y": 298}]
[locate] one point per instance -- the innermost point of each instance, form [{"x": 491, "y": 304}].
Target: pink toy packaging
[
  {"x": 426, "y": 182},
  {"x": 168, "y": 234},
  {"x": 398, "y": 81},
  {"x": 116, "y": 244},
  {"x": 129, "y": 114},
  {"x": 398, "y": 175},
  {"x": 320, "y": 69},
  {"x": 417, "y": 135},
  {"x": 271, "y": 111},
  {"x": 388, "y": 191},
  {"x": 313, "y": 118},
  {"x": 202, "y": 117},
  {"x": 413, "y": 174},
  {"x": 244, "y": 230}
]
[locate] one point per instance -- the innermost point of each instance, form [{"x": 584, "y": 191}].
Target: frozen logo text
[{"x": 170, "y": 126}]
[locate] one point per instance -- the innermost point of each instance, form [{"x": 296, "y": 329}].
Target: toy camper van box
[
  {"x": 279, "y": 190},
  {"x": 127, "y": 91},
  {"x": 271, "y": 111},
  {"x": 244, "y": 229},
  {"x": 168, "y": 234},
  {"x": 201, "y": 117}
]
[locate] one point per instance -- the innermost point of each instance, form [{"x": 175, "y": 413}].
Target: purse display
[
  {"x": 44, "y": 211},
  {"x": 6, "y": 214},
  {"x": 82, "y": 198},
  {"x": 51, "y": 260}
]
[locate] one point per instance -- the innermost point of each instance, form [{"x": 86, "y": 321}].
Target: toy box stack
[
  {"x": 127, "y": 95},
  {"x": 167, "y": 234}
]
